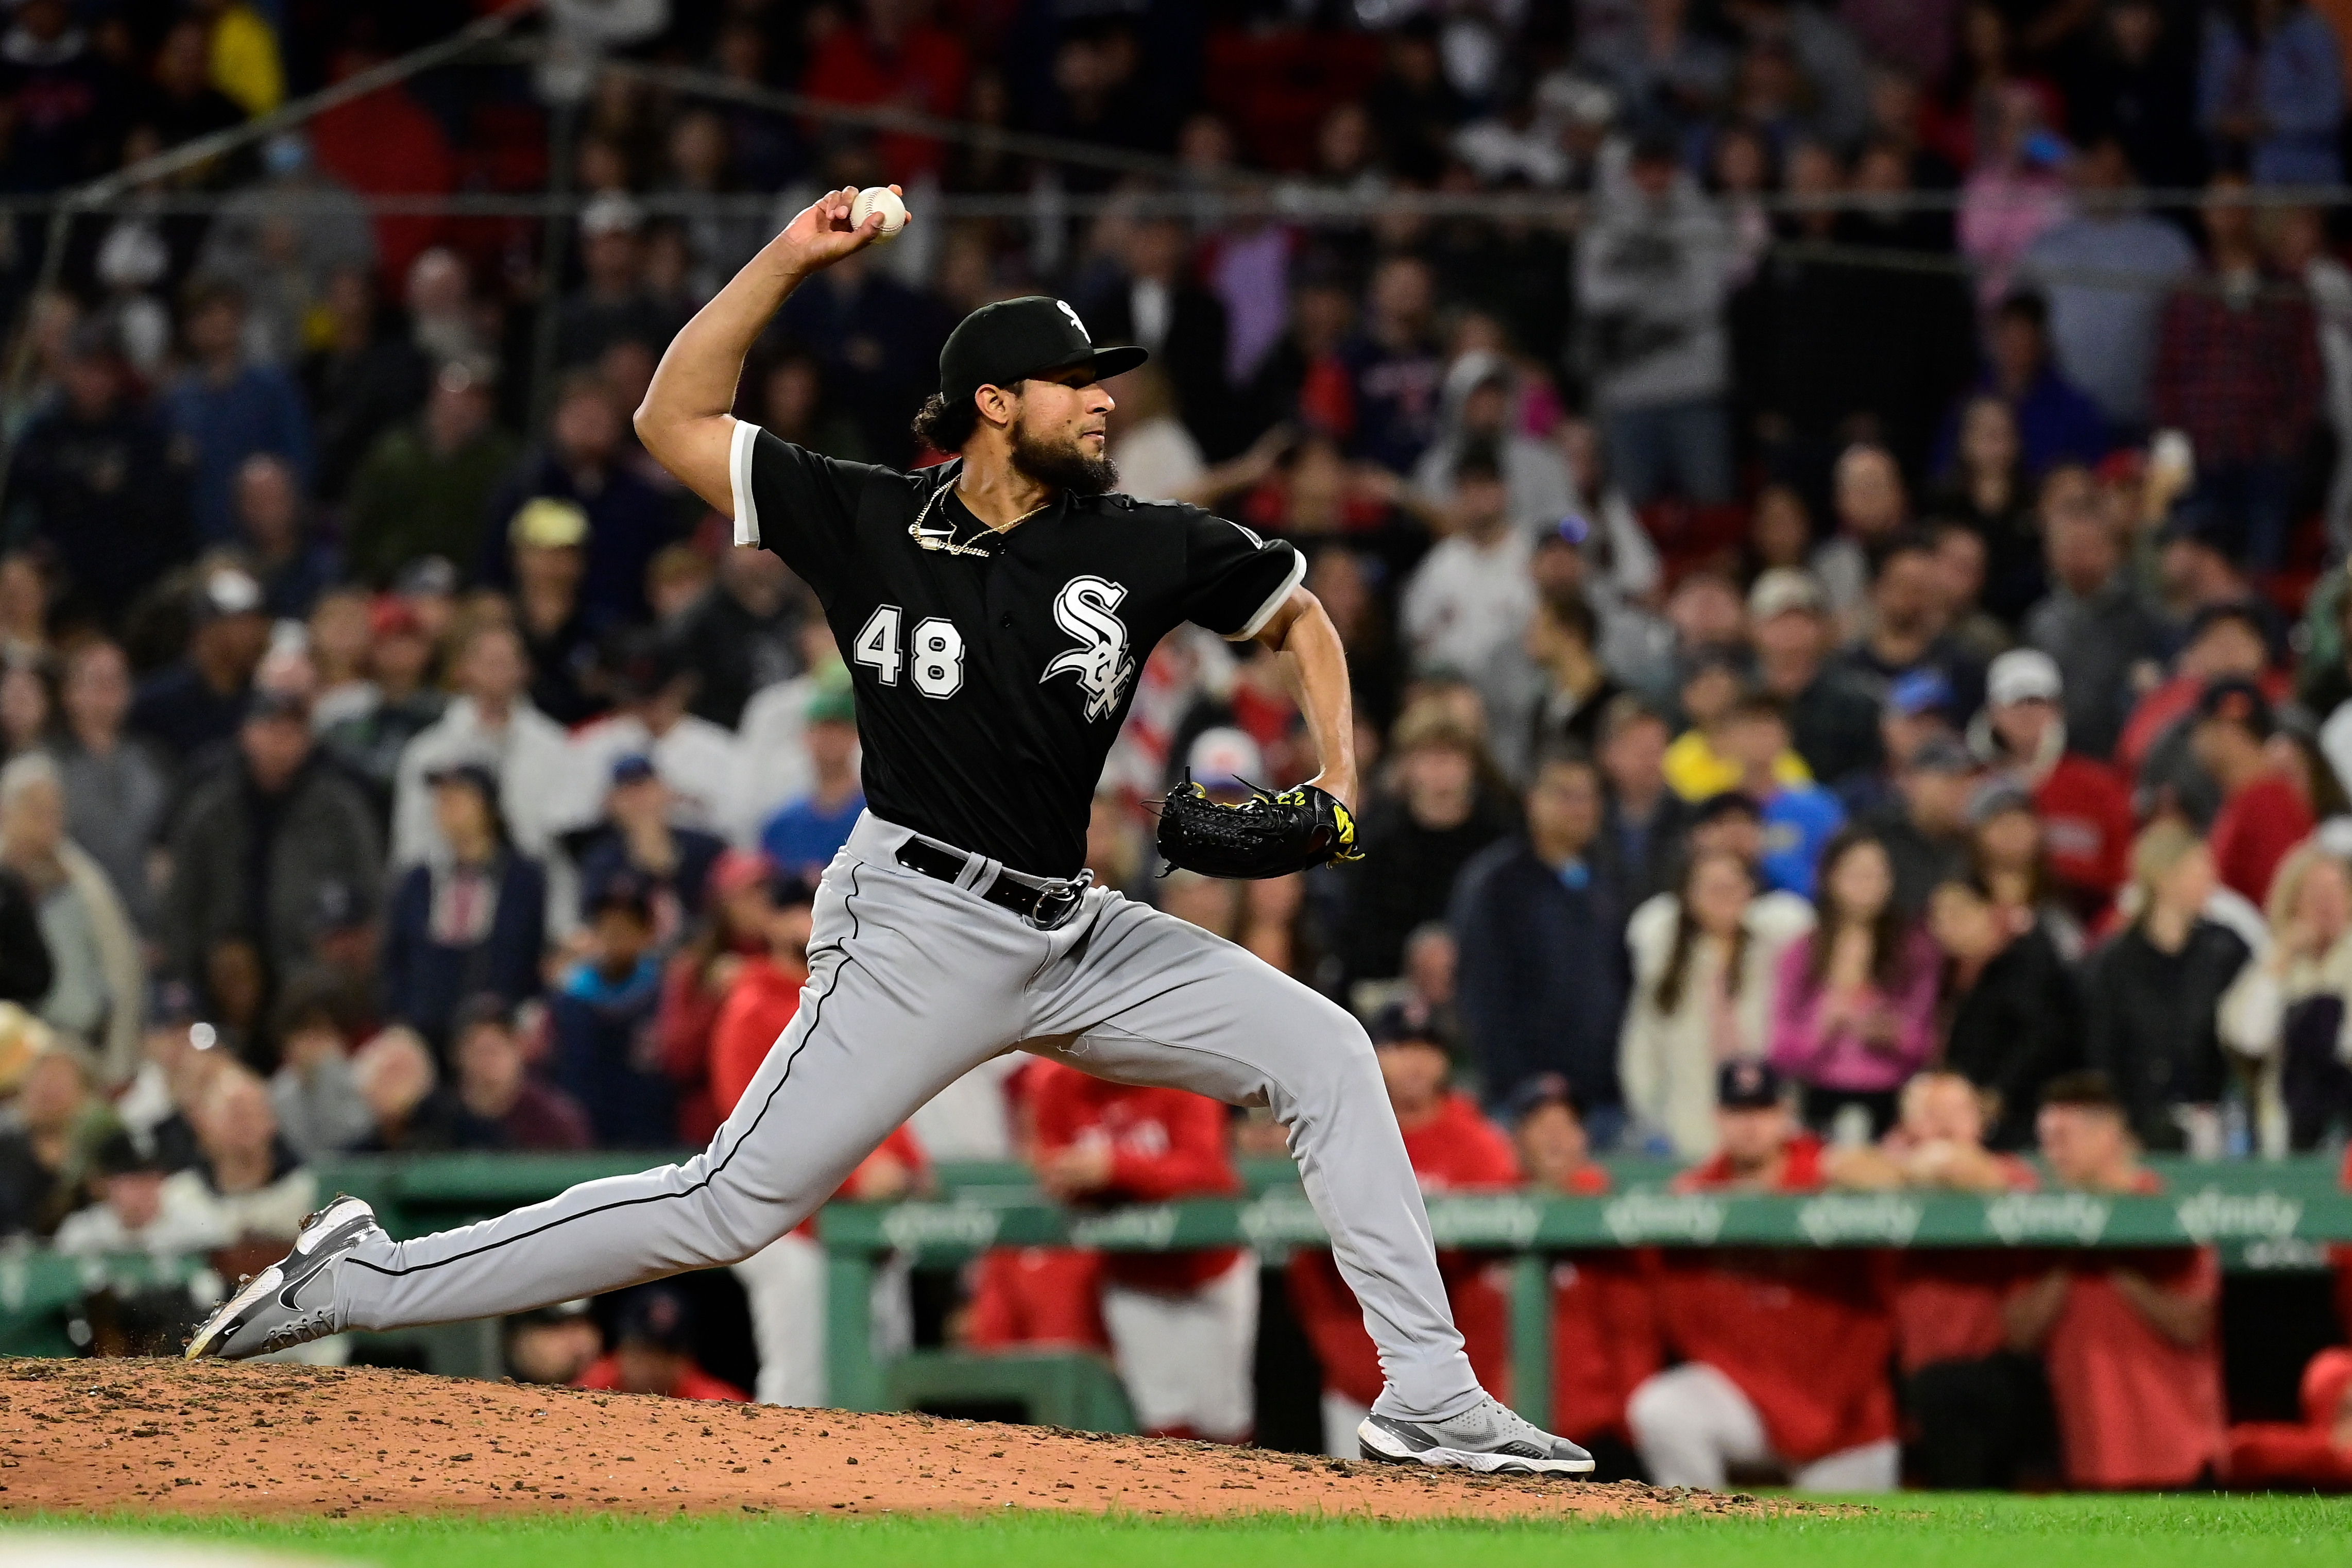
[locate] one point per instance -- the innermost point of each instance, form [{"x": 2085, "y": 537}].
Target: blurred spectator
[
  {"x": 2262, "y": 816},
  {"x": 743, "y": 635},
  {"x": 1832, "y": 723},
  {"x": 1154, "y": 299},
  {"x": 398, "y": 703},
  {"x": 409, "y": 1111},
  {"x": 1784, "y": 1355},
  {"x": 490, "y": 723},
  {"x": 1438, "y": 816},
  {"x": 1471, "y": 598},
  {"x": 2105, "y": 271},
  {"x": 2084, "y": 808},
  {"x": 653, "y": 1351},
  {"x": 137, "y": 1208},
  {"x": 467, "y": 925},
  {"x": 2093, "y": 624},
  {"x": 49, "y": 64},
  {"x": 94, "y": 475},
  {"x": 1479, "y": 398},
  {"x": 257, "y": 1189},
  {"x": 199, "y": 700},
  {"x": 878, "y": 341},
  {"x": 424, "y": 485},
  {"x": 1924, "y": 829},
  {"x": 2152, "y": 994},
  {"x": 2315, "y": 1452},
  {"x": 705, "y": 973},
  {"x": 224, "y": 410},
  {"x": 60, "y": 1123},
  {"x": 605, "y": 1054},
  {"x": 360, "y": 381},
  {"x": 1394, "y": 373},
  {"x": 2129, "y": 1338},
  {"x": 802, "y": 838},
  {"x": 2287, "y": 1009},
  {"x": 1642, "y": 821},
  {"x": 1705, "y": 959},
  {"x": 115, "y": 787},
  {"x": 1575, "y": 688},
  {"x": 315, "y": 1092},
  {"x": 1871, "y": 506},
  {"x": 621, "y": 522},
  {"x": 1988, "y": 489},
  {"x": 2139, "y": 84},
  {"x": 2056, "y": 423},
  {"x": 269, "y": 853},
  {"x": 1854, "y": 1011},
  {"x": 1184, "y": 1325},
  {"x": 1452, "y": 1148},
  {"x": 1542, "y": 960},
  {"x": 500, "y": 1104},
  {"x": 2270, "y": 90},
  {"x": 1906, "y": 629},
  {"x": 1982, "y": 1408},
  {"x": 637, "y": 839},
  {"x": 548, "y": 539},
  {"x": 293, "y": 570},
  {"x": 2014, "y": 1022},
  {"x": 611, "y": 303},
  {"x": 1799, "y": 818},
  {"x": 697, "y": 761},
  {"x": 553, "y": 1345},
  {"x": 2225, "y": 642},
  {"x": 1652, "y": 274},
  {"x": 2237, "y": 370},
  {"x": 97, "y": 992}
]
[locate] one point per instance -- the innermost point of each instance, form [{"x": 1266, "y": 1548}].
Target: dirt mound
[{"x": 212, "y": 1437}]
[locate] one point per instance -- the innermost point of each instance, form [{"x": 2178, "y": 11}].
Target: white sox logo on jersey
[{"x": 1083, "y": 609}]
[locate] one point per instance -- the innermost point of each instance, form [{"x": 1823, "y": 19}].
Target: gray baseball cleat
[
  {"x": 270, "y": 1312},
  {"x": 1489, "y": 1437}
]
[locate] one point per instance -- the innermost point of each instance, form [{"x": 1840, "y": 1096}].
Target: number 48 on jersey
[{"x": 933, "y": 658}]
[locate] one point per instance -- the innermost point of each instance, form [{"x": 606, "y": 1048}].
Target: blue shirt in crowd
[
  {"x": 222, "y": 424},
  {"x": 1797, "y": 822},
  {"x": 804, "y": 837}
]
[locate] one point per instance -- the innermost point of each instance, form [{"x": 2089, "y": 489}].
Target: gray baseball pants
[{"x": 913, "y": 983}]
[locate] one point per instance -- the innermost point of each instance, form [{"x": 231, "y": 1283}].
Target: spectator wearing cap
[
  {"x": 224, "y": 409},
  {"x": 1604, "y": 1315},
  {"x": 1833, "y": 725},
  {"x": 259, "y": 848},
  {"x": 1798, "y": 818},
  {"x": 553, "y": 1345},
  {"x": 401, "y": 702},
  {"x": 611, "y": 304},
  {"x": 638, "y": 837},
  {"x": 500, "y": 1104},
  {"x": 730, "y": 932},
  {"x": 601, "y": 1019},
  {"x": 624, "y": 522},
  {"x": 548, "y": 540},
  {"x": 466, "y": 924},
  {"x": 1917, "y": 710},
  {"x": 1783, "y": 1355},
  {"x": 803, "y": 835},
  {"x": 2130, "y": 1339},
  {"x": 97, "y": 992},
  {"x": 1574, "y": 687},
  {"x": 1454, "y": 1148},
  {"x": 2288, "y": 1008},
  {"x": 1854, "y": 1008},
  {"x": 2152, "y": 995},
  {"x": 2225, "y": 642},
  {"x": 137, "y": 1208},
  {"x": 2093, "y": 624},
  {"x": 1438, "y": 812},
  {"x": 2014, "y": 1022},
  {"x": 2263, "y": 815},
  {"x": 1907, "y": 628},
  {"x": 1704, "y": 960},
  {"x": 424, "y": 487},
  {"x": 491, "y": 723},
  {"x": 1471, "y": 598},
  {"x": 2313, "y": 1452},
  {"x": 315, "y": 1090},
  {"x": 2237, "y": 371},
  {"x": 1653, "y": 272},
  {"x": 1925, "y": 828},
  {"x": 653, "y": 1351},
  {"x": 198, "y": 700},
  {"x": 2085, "y": 808},
  {"x": 97, "y": 481},
  {"x": 59, "y": 1123},
  {"x": 1643, "y": 822},
  {"x": 1541, "y": 941},
  {"x": 697, "y": 760},
  {"x": 116, "y": 786}
]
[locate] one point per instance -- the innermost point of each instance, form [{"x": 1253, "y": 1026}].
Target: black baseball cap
[
  {"x": 1745, "y": 1084},
  {"x": 998, "y": 344},
  {"x": 2237, "y": 701}
]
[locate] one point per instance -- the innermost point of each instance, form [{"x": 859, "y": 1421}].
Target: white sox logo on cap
[{"x": 1066, "y": 310}]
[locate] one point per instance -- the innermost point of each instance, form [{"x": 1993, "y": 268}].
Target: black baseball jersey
[{"x": 992, "y": 670}]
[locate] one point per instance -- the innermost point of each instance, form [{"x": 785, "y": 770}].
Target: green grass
[{"x": 1910, "y": 1531}]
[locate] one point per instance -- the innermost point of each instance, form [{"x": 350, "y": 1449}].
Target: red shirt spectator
[
  {"x": 2086, "y": 823},
  {"x": 889, "y": 59},
  {"x": 1149, "y": 1145},
  {"x": 2314, "y": 1452},
  {"x": 696, "y": 986},
  {"x": 2242, "y": 379},
  {"x": 691, "y": 1382},
  {"x": 1037, "y": 1296},
  {"x": 1804, "y": 1334},
  {"x": 2262, "y": 816}
]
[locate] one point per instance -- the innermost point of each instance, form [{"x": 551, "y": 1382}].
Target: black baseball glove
[{"x": 1265, "y": 835}]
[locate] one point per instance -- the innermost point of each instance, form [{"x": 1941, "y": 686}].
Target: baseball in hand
[{"x": 879, "y": 199}]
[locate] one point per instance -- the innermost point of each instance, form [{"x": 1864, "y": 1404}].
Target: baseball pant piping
[{"x": 913, "y": 983}]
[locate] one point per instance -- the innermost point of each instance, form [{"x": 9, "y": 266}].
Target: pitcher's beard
[{"x": 1065, "y": 467}]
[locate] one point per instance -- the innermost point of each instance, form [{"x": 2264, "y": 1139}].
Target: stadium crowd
[{"x": 1850, "y": 694}]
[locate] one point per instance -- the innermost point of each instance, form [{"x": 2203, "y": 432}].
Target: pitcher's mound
[{"x": 95, "y": 1435}]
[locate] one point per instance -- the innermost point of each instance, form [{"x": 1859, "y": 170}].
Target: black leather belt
[{"x": 1046, "y": 907}]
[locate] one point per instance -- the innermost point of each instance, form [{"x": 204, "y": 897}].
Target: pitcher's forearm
[{"x": 1321, "y": 674}]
